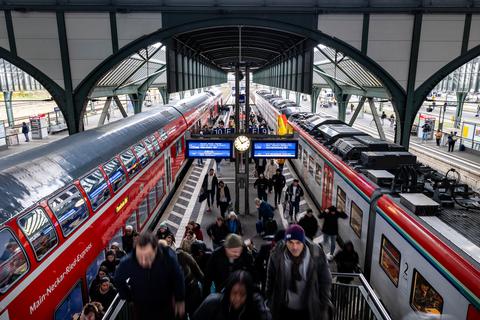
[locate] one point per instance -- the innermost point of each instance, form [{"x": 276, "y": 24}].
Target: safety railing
[{"x": 356, "y": 300}]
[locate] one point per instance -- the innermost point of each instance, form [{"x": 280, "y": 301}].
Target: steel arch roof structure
[{"x": 146, "y": 68}]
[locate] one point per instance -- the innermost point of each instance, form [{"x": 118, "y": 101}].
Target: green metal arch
[
  {"x": 424, "y": 89},
  {"x": 58, "y": 94},
  {"x": 83, "y": 89}
]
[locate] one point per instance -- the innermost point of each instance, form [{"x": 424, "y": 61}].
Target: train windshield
[
  {"x": 70, "y": 209},
  {"x": 39, "y": 231},
  {"x": 96, "y": 188},
  {"x": 13, "y": 262},
  {"x": 130, "y": 162},
  {"x": 116, "y": 174}
]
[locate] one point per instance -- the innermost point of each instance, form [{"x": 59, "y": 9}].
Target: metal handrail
[{"x": 368, "y": 293}]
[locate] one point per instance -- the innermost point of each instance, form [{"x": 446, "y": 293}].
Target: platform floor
[{"x": 185, "y": 206}]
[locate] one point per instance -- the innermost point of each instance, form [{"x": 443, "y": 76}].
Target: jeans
[
  {"x": 210, "y": 195},
  {"x": 26, "y": 137},
  {"x": 424, "y": 136},
  {"x": 332, "y": 239},
  {"x": 223, "y": 208},
  {"x": 295, "y": 207},
  {"x": 278, "y": 195}
]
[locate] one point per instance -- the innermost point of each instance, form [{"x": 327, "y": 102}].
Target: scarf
[{"x": 295, "y": 274}]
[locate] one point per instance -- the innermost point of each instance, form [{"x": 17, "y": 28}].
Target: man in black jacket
[
  {"x": 223, "y": 198},
  {"x": 310, "y": 224},
  {"x": 155, "y": 280},
  {"x": 209, "y": 186},
  {"x": 261, "y": 184},
  {"x": 230, "y": 257},
  {"x": 330, "y": 227},
  {"x": 298, "y": 279},
  {"x": 278, "y": 181},
  {"x": 294, "y": 194}
]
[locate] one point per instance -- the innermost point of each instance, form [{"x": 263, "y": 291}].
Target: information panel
[
  {"x": 209, "y": 149},
  {"x": 275, "y": 149}
]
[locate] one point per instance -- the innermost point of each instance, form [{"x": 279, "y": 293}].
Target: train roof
[{"x": 28, "y": 177}]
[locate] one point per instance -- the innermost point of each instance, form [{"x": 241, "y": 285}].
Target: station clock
[{"x": 241, "y": 143}]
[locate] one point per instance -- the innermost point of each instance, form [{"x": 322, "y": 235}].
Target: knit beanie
[
  {"x": 295, "y": 232},
  {"x": 233, "y": 241}
]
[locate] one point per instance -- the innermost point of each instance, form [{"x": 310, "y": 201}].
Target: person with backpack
[{"x": 426, "y": 128}]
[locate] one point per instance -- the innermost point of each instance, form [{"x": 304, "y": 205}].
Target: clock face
[{"x": 242, "y": 143}]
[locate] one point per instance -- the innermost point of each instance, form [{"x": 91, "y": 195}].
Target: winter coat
[
  {"x": 261, "y": 184},
  {"x": 293, "y": 197},
  {"x": 216, "y": 307},
  {"x": 310, "y": 225},
  {"x": 318, "y": 284},
  {"x": 152, "y": 290},
  {"x": 198, "y": 232},
  {"x": 265, "y": 211},
  {"x": 193, "y": 277},
  {"x": 127, "y": 243},
  {"x": 330, "y": 225},
  {"x": 105, "y": 299},
  {"x": 278, "y": 181},
  {"x": 227, "y": 194},
  {"x": 25, "y": 129},
  {"x": 219, "y": 268},
  {"x": 234, "y": 226},
  {"x": 270, "y": 170},
  {"x": 217, "y": 233},
  {"x": 214, "y": 183},
  {"x": 186, "y": 243}
]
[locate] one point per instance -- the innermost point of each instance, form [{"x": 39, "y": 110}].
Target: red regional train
[
  {"x": 422, "y": 259},
  {"x": 62, "y": 204}
]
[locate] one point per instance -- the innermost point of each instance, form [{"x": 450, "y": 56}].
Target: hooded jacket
[{"x": 318, "y": 284}]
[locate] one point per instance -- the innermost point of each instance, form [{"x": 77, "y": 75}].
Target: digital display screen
[
  {"x": 275, "y": 149},
  {"x": 209, "y": 149}
]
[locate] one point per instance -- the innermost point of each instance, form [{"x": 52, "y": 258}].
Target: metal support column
[
  {"x": 120, "y": 106},
  {"x": 247, "y": 153},
  {"x": 7, "y": 97},
  {"x": 461, "y": 96},
  {"x": 165, "y": 95},
  {"x": 237, "y": 127},
  {"x": 342, "y": 102},
  {"x": 357, "y": 110},
  {"x": 314, "y": 100},
  {"x": 297, "y": 98},
  {"x": 182, "y": 94},
  {"x": 376, "y": 118},
  {"x": 287, "y": 94},
  {"x": 105, "y": 112},
  {"x": 137, "y": 102}
]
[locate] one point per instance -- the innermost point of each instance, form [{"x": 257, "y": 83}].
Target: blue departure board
[
  {"x": 209, "y": 149},
  {"x": 275, "y": 149}
]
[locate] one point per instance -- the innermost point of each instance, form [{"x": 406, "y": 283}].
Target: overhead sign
[
  {"x": 275, "y": 149},
  {"x": 223, "y": 130},
  {"x": 209, "y": 149}
]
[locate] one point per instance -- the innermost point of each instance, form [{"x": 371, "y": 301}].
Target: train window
[
  {"x": 70, "y": 209},
  {"x": 72, "y": 304},
  {"x": 13, "y": 261},
  {"x": 130, "y": 162},
  {"x": 318, "y": 173},
  {"x": 115, "y": 173},
  {"x": 356, "y": 217},
  {"x": 132, "y": 220},
  {"x": 424, "y": 297},
  {"x": 92, "y": 269},
  {"x": 311, "y": 165},
  {"x": 149, "y": 146},
  {"x": 155, "y": 144},
  {"x": 141, "y": 154},
  {"x": 96, "y": 188},
  {"x": 305, "y": 158},
  {"x": 151, "y": 200},
  {"x": 390, "y": 260},
  {"x": 142, "y": 213},
  {"x": 39, "y": 231},
  {"x": 159, "y": 189},
  {"x": 341, "y": 199}
]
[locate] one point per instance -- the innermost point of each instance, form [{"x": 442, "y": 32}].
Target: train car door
[
  {"x": 168, "y": 170},
  {"x": 327, "y": 187}
]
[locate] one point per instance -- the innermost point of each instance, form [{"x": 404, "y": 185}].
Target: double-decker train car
[
  {"x": 62, "y": 204},
  {"x": 418, "y": 261}
]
